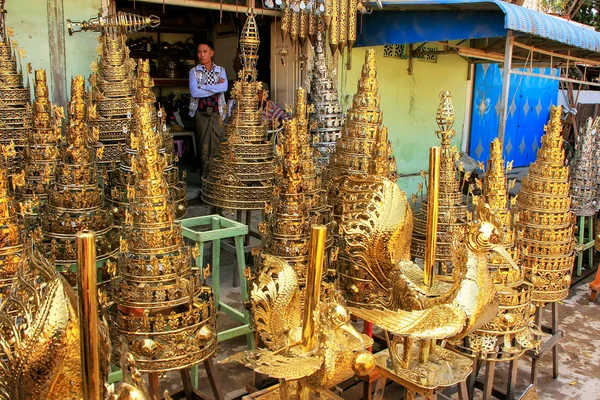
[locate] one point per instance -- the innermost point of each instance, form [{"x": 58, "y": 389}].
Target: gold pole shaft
[
  {"x": 88, "y": 314},
  {"x": 433, "y": 191},
  {"x": 313, "y": 285}
]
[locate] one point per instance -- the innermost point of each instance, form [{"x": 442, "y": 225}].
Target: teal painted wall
[
  {"x": 29, "y": 19},
  {"x": 409, "y": 104}
]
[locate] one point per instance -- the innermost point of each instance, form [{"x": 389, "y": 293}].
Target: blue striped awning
[{"x": 516, "y": 18}]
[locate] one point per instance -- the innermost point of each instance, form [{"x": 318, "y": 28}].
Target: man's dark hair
[{"x": 207, "y": 42}]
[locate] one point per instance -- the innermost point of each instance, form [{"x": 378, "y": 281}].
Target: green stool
[
  {"x": 223, "y": 228},
  {"x": 586, "y": 243}
]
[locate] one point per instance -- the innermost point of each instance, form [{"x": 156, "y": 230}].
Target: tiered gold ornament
[
  {"x": 165, "y": 313},
  {"x": 302, "y": 20},
  {"x": 315, "y": 193},
  {"x": 298, "y": 200},
  {"x": 511, "y": 333},
  {"x": 112, "y": 79},
  {"x": 11, "y": 227},
  {"x": 596, "y": 159},
  {"x": 241, "y": 177},
  {"x": 544, "y": 219},
  {"x": 75, "y": 201},
  {"x": 41, "y": 151},
  {"x": 15, "y": 96},
  {"x": 452, "y": 215},
  {"x": 116, "y": 190},
  {"x": 327, "y": 118},
  {"x": 584, "y": 187},
  {"x": 363, "y": 148}
]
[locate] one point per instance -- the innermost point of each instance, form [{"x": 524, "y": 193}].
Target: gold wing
[
  {"x": 276, "y": 303},
  {"x": 276, "y": 365},
  {"x": 439, "y": 322}
]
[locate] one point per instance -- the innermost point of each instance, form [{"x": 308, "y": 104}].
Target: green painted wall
[
  {"x": 29, "y": 19},
  {"x": 409, "y": 104}
]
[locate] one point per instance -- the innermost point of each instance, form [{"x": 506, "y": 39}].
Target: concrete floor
[{"x": 579, "y": 361}]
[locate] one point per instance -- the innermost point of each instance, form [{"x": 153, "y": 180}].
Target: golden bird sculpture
[
  {"x": 40, "y": 339},
  {"x": 317, "y": 347},
  {"x": 416, "y": 311}
]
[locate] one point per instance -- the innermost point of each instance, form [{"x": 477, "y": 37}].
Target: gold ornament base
[
  {"x": 277, "y": 392},
  {"x": 444, "y": 368}
]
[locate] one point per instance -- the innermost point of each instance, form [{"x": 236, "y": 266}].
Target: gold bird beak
[
  {"x": 502, "y": 251},
  {"x": 347, "y": 327}
]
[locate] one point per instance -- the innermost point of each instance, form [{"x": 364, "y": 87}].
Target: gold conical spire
[
  {"x": 241, "y": 176},
  {"x": 249, "y": 42},
  {"x": 544, "y": 219},
  {"x": 495, "y": 190},
  {"x": 11, "y": 226},
  {"x": 116, "y": 192},
  {"x": 75, "y": 201},
  {"x": 552, "y": 151},
  {"x": 298, "y": 200},
  {"x": 41, "y": 151},
  {"x": 161, "y": 299},
  {"x": 511, "y": 332},
  {"x": 363, "y": 148},
  {"x": 452, "y": 217}
]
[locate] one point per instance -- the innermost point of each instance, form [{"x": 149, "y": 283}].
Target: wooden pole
[{"x": 503, "y": 115}]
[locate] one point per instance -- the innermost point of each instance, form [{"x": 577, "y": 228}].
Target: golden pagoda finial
[
  {"x": 445, "y": 118},
  {"x": 249, "y": 42},
  {"x": 545, "y": 220},
  {"x": 453, "y": 210},
  {"x": 368, "y": 78},
  {"x": 144, "y": 83},
  {"x": 551, "y": 150},
  {"x": 121, "y": 22},
  {"x": 40, "y": 88},
  {"x": 495, "y": 183},
  {"x": 153, "y": 241},
  {"x": 364, "y": 124}
]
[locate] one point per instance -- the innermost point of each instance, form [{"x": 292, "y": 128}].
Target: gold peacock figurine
[
  {"x": 314, "y": 348},
  {"x": 425, "y": 308}
]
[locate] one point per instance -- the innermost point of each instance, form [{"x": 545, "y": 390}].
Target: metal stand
[
  {"x": 189, "y": 378},
  {"x": 412, "y": 390},
  {"x": 550, "y": 344},
  {"x": 588, "y": 246},
  {"x": 221, "y": 228},
  {"x": 595, "y": 286},
  {"x": 487, "y": 385},
  {"x": 188, "y": 392}
]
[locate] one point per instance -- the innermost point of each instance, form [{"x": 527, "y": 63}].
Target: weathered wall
[
  {"x": 409, "y": 104},
  {"x": 29, "y": 19}
]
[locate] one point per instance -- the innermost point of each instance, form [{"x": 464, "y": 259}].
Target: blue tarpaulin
[{"x": 415, "y": 21}]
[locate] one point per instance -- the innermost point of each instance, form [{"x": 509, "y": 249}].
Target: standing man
[{"x": 208, "y": 83}]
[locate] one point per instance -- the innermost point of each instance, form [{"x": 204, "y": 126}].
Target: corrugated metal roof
[{"x": 516, "y": 18}]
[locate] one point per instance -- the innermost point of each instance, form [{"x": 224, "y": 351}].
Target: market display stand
[
  {"x": 586, "y": 243},
  {"x": 223, "y": 228},
  {"x": 410, "y": 388}
]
